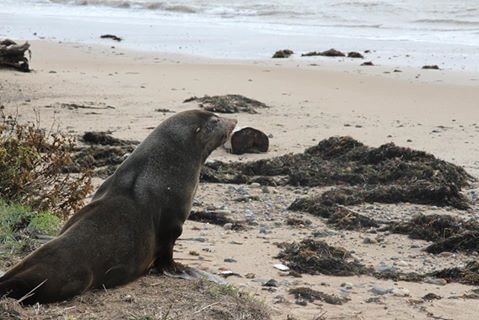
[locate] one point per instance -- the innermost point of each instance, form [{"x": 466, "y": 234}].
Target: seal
[{"x": 133, "y": 220}]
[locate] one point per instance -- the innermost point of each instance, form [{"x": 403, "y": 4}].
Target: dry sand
[{"x": 311, "y": 99}]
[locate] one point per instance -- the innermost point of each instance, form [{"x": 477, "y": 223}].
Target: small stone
[
  {"x": 295, "y": 274},
  {"x": 230, "y": 260},
  {"x": 250, "y": 276},
  {"x": 281, "y": 267},
  {"x": 229, "y": 273},
  {"x": 198, "y": 239},
  {"x": 249, "y": 215},
  {"x": 368, "y": 240},
  {"x": 255, "y": 185},
  {"x": 446, "y": 254},
  {"x": 431, "y": 296},
  {"x": 400, "y": 292},
  {"x": 264, "y": 229},
  {"x": 222, "y": 211},
  {"x": 301, "y": 302},
  {"x": 344, "y": 292},
  {"x": 228, "y": 226},
  {"x": 431, "y": 67},
  {"x": 354, "y": 54},
  {"x": 347, "y": 285},
  {"x": 332, "y": 53},
  {"x": 380, "y": 291},
  {"x": 279, "y": 299},
  {"x": 285, "y": 53},
  {"x": 383, "y": 267},
  {"x": 438, "y": 282},
  {"x": 194, "y": 253},
  {"x": 373, "y": 300},
  {"x": 128, "y": 298},
  {"x": 270, "y": 283},
  {"x": 402, "y": 263}
]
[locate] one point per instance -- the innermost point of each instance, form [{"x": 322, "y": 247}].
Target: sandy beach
[{"x": 311, "y": 99}]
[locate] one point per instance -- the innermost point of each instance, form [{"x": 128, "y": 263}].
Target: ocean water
[{"x": 400, "y": 32}]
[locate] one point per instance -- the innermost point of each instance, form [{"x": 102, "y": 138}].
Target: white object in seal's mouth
[{"x": 227, "y": 144}]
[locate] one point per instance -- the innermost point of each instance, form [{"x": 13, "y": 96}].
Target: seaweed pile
[
  {"x": 102, "y": 152},
  {"x": 467, "y": 241},
  {"x": 433, "y": 227},
  {"x": 469, "y": 274},
  {"x": 451, "y": 234},
  {"x": 317, "y": 257},
  {"x": 105, "y": 139},
  {"x": 347, "y": 219},
  {"x": 388, "y": 174},
  {"x": 14, "y": 55},
  {"x": 420, "y": 192},
  {"x": 448, "y": 233},
  {"x": 230, "y": 103},
  {"x": 215, "y": 218},
  {"x": 310, "y": 295}
]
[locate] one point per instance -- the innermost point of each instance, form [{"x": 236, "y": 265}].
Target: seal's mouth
[{"x": 230, "y": 125}]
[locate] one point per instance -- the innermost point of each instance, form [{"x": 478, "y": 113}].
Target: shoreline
[{"x": 220, "y": 39}]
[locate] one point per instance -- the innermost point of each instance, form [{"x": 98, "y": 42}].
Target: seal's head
[
  {"x": 214, "y": 131},
  {"x": 200, "y": 130}
]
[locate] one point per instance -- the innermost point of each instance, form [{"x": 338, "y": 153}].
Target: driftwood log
[{"x": 13, "y": 55}]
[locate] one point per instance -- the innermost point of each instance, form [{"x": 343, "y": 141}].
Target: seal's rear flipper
[{"x": 14, "y": 288}]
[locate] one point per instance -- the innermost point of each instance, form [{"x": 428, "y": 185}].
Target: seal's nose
[{"x": 230, "y": 125}]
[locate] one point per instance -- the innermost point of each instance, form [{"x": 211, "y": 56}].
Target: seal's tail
[{"x": 17, "y": 286}]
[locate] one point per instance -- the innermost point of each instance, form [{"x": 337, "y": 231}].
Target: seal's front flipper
[
  {"x": 201, "y": 274},
  {"x": 175, "y": 270},
  {"x": 188, "y": 273}
]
